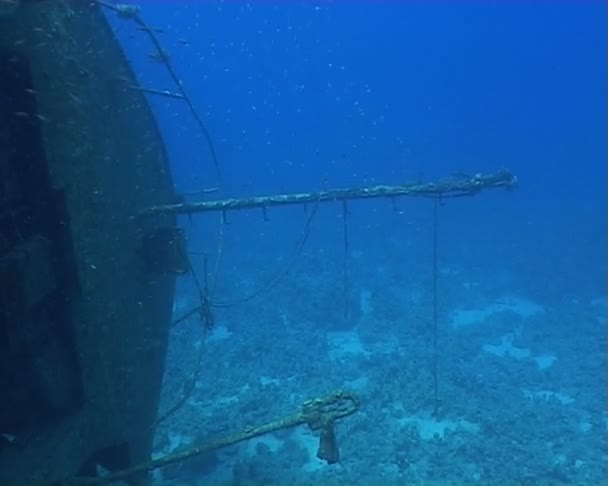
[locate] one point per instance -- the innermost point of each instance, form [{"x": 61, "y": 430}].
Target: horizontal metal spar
[{"x": 451, "y": 187}]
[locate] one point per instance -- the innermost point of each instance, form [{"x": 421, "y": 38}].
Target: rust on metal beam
[{"x": 452, "y": 187}]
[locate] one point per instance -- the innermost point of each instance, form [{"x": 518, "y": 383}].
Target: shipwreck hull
[{"x": 86, "y": 288}]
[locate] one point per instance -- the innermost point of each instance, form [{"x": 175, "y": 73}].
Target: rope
[
  {"x": 206, "y": 315},
  {"x": 188, "y": 388},
  {"x": 207, "y": 303},
  {"x": 296, "y": 251},
  {"x": 131, "y": 12},
  {"x": 345, "y": 230},
  {"x": 435, "y": 308}
]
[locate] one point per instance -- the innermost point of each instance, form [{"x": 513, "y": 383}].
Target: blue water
[{"x": 304, "y": 96}]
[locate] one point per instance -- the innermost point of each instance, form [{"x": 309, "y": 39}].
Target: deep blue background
[{"x": 299, "y": 95}]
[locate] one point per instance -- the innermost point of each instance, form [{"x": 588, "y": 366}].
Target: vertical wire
[
  {"x": 435, "y": 308},
  {"x": 345, "y": 228}
]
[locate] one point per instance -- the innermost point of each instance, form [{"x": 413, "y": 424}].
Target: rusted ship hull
[{"x": 86, "y": 288}]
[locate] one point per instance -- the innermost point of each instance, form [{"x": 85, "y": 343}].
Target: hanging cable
[
  {"x": 296, "y": 251},
  {"x": 218, "y": 257},
  {"x": 132, "y": 12},
  {"x": 204, "y": 309},
  {"x": 207, "y": 303},
  {"x": 345, "y": 269},
  {"x": 435, "y": 308},
  {"x": 278, "y": 277},
  {"x": 188, "y": 388}
]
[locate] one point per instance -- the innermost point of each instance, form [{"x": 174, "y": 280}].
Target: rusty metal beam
[{"x": 455, "y": 186}]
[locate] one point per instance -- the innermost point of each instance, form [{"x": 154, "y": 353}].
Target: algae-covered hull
[{"x": 86, "y": 287}]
